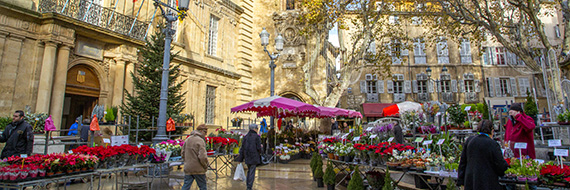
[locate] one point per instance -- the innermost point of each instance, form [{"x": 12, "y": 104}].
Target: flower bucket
[{"x": 236, "y": 150}]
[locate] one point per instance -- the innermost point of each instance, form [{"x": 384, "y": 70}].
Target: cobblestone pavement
[{"x": 291, "y": 176}]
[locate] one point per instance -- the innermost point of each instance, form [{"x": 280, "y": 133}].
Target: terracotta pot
[
  {"x": 336, "y": 157},
  {"x": 69, "y": 171},
  {"x": 59, "y": 172},
  {"x": 50, "y": 173},
  {"x": 331, "y": 155},
  {"x": 83, "y": 169}
]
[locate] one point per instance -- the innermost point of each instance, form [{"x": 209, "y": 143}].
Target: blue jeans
[{"x": 200, "y": 180}]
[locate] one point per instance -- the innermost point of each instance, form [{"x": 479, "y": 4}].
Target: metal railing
[{"x": 97, "y": 15}]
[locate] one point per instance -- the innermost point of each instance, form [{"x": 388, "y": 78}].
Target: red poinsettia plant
[{"x": 551, "y": 173}]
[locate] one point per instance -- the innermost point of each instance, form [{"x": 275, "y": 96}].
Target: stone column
[
  {"x": 118, "y": 85},
  {"x": 129, "y": 86},
  {"x": 46, "y": 78},
  {"x": 59, "y": 81}
]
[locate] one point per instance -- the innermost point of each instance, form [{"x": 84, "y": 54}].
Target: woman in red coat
[{"x": 520, "y": 128}]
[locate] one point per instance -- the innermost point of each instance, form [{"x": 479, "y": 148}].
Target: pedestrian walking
[
  {"x": 251, "y": 151},
  {"x": 18, "y": 136},
  {"x": 195, "y": 158},
  {"x": 481, "y": 162}
]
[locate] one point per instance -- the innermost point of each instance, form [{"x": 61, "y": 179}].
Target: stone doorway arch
[{"x": 83, "y": 91}]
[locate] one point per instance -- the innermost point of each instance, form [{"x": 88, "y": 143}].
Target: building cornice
[{"x": 207, "y": 67}]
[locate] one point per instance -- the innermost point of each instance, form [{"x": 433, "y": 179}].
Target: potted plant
[
  {"x": 110, "y": 116},
  {"x": 356, "y": 182},
  {"x": 319, "y": 174},
  {"x": 387, "y": 181},
  {"x": 329, "y": 177}
]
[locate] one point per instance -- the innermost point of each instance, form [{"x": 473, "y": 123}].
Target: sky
[{"x": 333, "y": 38}]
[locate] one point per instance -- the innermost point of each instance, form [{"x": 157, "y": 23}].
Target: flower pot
[
  {"x": 330, "y": 155},
  {"x": 341, "y": 158},
  {"x": 83, "y": 169},
  {"x": 69, "y": 171},
  {"x": 336, "y": 157},
  {"x": 50, "y": 173},
  {"x": 58, "y": 172},
  {"x": 559, "y": 184},
  {"x": 236, "y": 150},
  {"x": 210, "y": 152},
  {"x": 330, "y": 187},
  {"x": 521, "y": 178},
  {"x": 320, "y": 182}
]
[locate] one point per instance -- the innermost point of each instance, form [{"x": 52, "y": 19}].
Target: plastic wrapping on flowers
[
  {"x": 16, "y": 168},
  {"x": 116, "y": 156}
]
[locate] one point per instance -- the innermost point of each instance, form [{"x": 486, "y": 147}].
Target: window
[
  {"x": 504, "y": 86},
  {"x": 499, "y": 57},
  {"x": 397, "y": 51},
  {"x": 210, "y": 104},
  {"x": 398, "y": 87},
  {"x": 419, "y": 51},
  {"x": 422, "y": 86},
  {"x": 469, "y": 86},
  {"x": 445, "y": 86},
  {"x": 465, "y": 51},
  {"x": 442, "y": 51},
  {"x": 490, "y": 87},
  {"x": 416, "y": 20},
  {"x": 394, "y": 19},
  {"x": 290, "y": 4},
  {"x": 524, "y": 86},
  {"x": 371, "y": 85},
  {"x": 213, "y": 35}
]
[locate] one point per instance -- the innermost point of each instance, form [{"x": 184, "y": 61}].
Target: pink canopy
[
  {"x": 353, "y": 113},
  {"x": 277, "y": 106}
]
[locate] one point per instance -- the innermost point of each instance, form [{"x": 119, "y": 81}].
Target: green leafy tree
[
  {"x": 145, "y": 100},
  {"x": 530, "y": 105},
  {"x": 356, "y": 182},
  {"x": 330, "y": 176}
]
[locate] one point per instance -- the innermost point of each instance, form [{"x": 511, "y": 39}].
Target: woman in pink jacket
[{"x": 520, "y": 128}]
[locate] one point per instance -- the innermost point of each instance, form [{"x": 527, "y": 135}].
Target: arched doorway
[{"x": 81, "y": 93}]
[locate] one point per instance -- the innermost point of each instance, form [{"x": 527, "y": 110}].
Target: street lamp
[
  {"x": 436, "y": 81},
  {"x": 264, "y": 35},
  {"x": 171, "y": 15}
]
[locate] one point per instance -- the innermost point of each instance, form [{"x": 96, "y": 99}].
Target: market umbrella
[
  {"x": 277, "y": 106},
  {"x": 353, "y": 113},
  {"x": 400, "y": 108},
  {"x": 326, "y": 112}
]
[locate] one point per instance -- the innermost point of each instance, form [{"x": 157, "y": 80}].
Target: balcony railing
[
  {"x": 97, "y": 15},
  {"x": 447, "y": 97},
  {"x": 471, "y": 97}
]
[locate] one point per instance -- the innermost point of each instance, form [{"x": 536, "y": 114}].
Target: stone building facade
[
  {"x": 64, "y": 57},
  {"x": 461, "y": 72},
  {"x": 281, "y": 17}
]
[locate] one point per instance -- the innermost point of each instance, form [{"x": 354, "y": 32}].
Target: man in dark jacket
[
  {"x": 18, "y": 136},
  {"x": 481, "y": 162},
  {"x": 251, "y": 151}
]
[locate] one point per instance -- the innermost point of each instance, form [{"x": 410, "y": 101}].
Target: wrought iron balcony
[
  {"x": 372, "y": 97},
  {"x": 471, "y": 97},
  {"x": 447, "y": 97},
  {"x": 423, "y": 97},
  {"x": 399, "y": 97},
  {"x": 97, "y": 15}
]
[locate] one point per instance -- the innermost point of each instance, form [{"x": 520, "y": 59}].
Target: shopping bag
[
  {"x": 240, "y": 173},
  {"x": 170, "y": 125},
  {"x": 49, "y": 126}
]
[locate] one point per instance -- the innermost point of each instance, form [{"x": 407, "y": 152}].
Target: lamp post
[
  {"x": 171, "y": 15},
  {"x": 264, "y": 35},
  {"x": 436, "y": 81}
]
